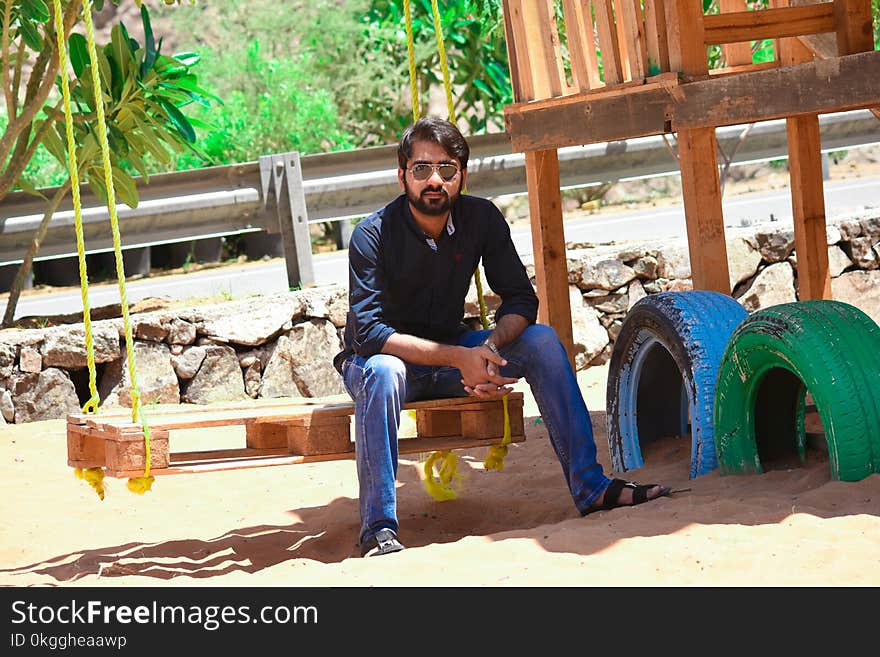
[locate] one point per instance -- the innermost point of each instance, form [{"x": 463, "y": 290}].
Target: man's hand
[{"x": 480, "y": 375}]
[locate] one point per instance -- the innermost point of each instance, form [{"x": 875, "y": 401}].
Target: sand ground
[{"x": 297, "y": 525}]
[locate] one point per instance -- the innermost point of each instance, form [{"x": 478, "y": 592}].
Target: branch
[
  {"x": 7, "y": 89},
  {"x": 46, "y": 67},
  {"x": 16, "y": 77},
  {"x": 27, "y": 264}
]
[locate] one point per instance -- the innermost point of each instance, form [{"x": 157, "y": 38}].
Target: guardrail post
[
  {"x": 283, "y": 174},
  {"x": 342, "y": 232}
]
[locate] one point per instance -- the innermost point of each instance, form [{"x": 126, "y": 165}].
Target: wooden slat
[
  {"x": 768, "y": 23},
  {"x": 222, "y": 460},
  {"x": 853, "y": 26},
  {"x": 656, "y": 39},
  {"x": 687, "y": 52},
  {"x": 621, "y": 40},
  {"x": 698, "y": 160},
  {"x": 548, "y": 242},
  {"x": 612, "y": 68},
  {"x": 633, "y": 22},
  {"x": 581, "y": 45},
  {"x": 745, "y": 68},
  {"x": 520, "y": 80},
  {"x": 821, "y": 86},
  {"x": 735, "y": 54},
  {"x": 544, "y": 59}
]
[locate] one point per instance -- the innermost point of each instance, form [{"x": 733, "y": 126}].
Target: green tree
[{"x": 142, "y": 92}]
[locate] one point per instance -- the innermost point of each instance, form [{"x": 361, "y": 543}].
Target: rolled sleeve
[{"x": 366, "y": 284}]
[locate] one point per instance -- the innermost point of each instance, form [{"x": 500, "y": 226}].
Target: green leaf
[
  {"x": 179, "y": 120},
  {"x": 125, "y": 187},
  {"x": 105, "y": 70},
  {"x": 54, "y": 143},
  {"x": 95, "y": 180},
  {"x": 35, "y": 10},
  {"x": 79, "y": 53},
  {"x": 150, "y": 49},
  {"x": 31, "y": 35},
  {"x": 190, "y": 83},
  {"x": 187, "y": 58}
]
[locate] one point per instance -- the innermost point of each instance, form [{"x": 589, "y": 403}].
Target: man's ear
[{"x": 400, "y": 174}]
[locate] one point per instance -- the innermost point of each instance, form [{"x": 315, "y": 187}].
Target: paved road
[{"x": 256, "y": 278}]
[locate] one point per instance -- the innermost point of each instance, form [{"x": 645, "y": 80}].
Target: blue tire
[{"x": 662, "y": 375}]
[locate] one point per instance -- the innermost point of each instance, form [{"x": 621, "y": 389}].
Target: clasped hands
[{"x": 480, "y": 373}]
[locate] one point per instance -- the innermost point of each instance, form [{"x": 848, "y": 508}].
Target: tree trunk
[{"x": 25, "y": 267}]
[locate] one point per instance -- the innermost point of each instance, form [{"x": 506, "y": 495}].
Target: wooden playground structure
[{"x": 655, "y": 80}]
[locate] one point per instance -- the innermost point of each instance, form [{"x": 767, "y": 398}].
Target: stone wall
[{"x": 282, "y": 345}]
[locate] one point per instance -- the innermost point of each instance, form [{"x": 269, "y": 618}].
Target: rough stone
[
  {"x": 29, "y": 360},
  {"x": 674, "y": 261},
  {"x": 7, "y": 359},
  {"x": 635, "y": 292},
  {"x": 156, "y": 379},
  {"x": 7, "y": 408},
  {"x": 860, "y": 289},
  {"x": 219, "y": 378},
  {"x": 837, "y": 261},
  {"x": 589, "y": 336},
  {"x": 863, "y": 254},
  {"x": 775, "y": 246},
  {"x": 187, "y": 364},
  {"x": 49, "y": 395},
  {"x": 304, "y": 357},
  {"x": 773, "y": 285},
  {"x": 65, "y": 347},
  {"x": 742, "y": 260},
  {"x": 253, "y": 379},
  {"x": 181, "y": 332},
  {"x": 265, "y": 319},
  {"x": 849, "y": 229},
  {"x": 646, "y": 268},
  {"x": 152, "y": 328},
  {"x": 605, "y": 275}
]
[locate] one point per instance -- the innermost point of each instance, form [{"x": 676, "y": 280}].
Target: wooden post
[
  {"x": 698, "y": 157},
  {"x": 807, "y": 187},
  {"x": 852, "y": 19},
  {"x": 548, "y": 244}
]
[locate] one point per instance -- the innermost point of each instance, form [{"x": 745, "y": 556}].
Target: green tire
[{"x": 827, "y": 348}]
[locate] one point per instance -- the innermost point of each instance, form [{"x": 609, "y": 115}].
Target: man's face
[{"x": 433, "y": 195}]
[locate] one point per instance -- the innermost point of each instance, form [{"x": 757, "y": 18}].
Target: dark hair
[{"x": 438, "y": 131}]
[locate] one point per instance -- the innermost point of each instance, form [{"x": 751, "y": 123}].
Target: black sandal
[
  {"x": 612, "y": 495},
  {"x": 384, "y": 541}
]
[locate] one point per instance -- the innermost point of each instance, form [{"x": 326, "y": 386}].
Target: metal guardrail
[{"x": 282, "y": 194}]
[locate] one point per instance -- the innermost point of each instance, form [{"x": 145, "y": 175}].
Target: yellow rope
[
  {"x": 94, "y": 476},
  {"x": 410, "y": 49},
  {"x": 91, "y": 406},
  {"x": 441, "y": 490}
]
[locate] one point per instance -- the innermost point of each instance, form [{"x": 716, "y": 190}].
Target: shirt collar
[{"x": 450, "y": 229}]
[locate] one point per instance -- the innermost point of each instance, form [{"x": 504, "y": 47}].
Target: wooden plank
[
  {"x": 745, "y": 68},
  {"x": 853, "y": 26},
  {"x": 687, "y": 51},
  {"x": 821, "y": 86},
  {"x": 735, "y": 54},
  {"x": 768, "y": 23},
  {"x": 581, "y": 45},
  {"x": 622, "y": 46},
  {"x": 698, "y": 159},
  {"x": 612, "y": 68},
  {"x": 808, "y": 207},
  {"x": 656, "y": 40},
  {"x": 195, "y": 462},
  {"x": 544, "y": 58},
  {"x": 632, "y": 20},
  {"x": 519, "y": 76},
  {"x": 548, "y": 244}
]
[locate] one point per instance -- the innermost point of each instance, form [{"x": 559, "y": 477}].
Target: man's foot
[
  {"x": 384, "y": 541},
  {"x": 626, "y": 493}
]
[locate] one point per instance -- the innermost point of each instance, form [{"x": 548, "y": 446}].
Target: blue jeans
[{"x": 380, "y": 385}]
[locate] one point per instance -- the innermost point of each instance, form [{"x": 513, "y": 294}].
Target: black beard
[{"x": 434, "y": 207}]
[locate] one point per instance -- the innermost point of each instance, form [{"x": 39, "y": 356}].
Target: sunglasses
[{"x": 423, "y": 171}]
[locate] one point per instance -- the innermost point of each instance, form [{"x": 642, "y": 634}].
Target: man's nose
[{"x": 435, "y": 173}]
